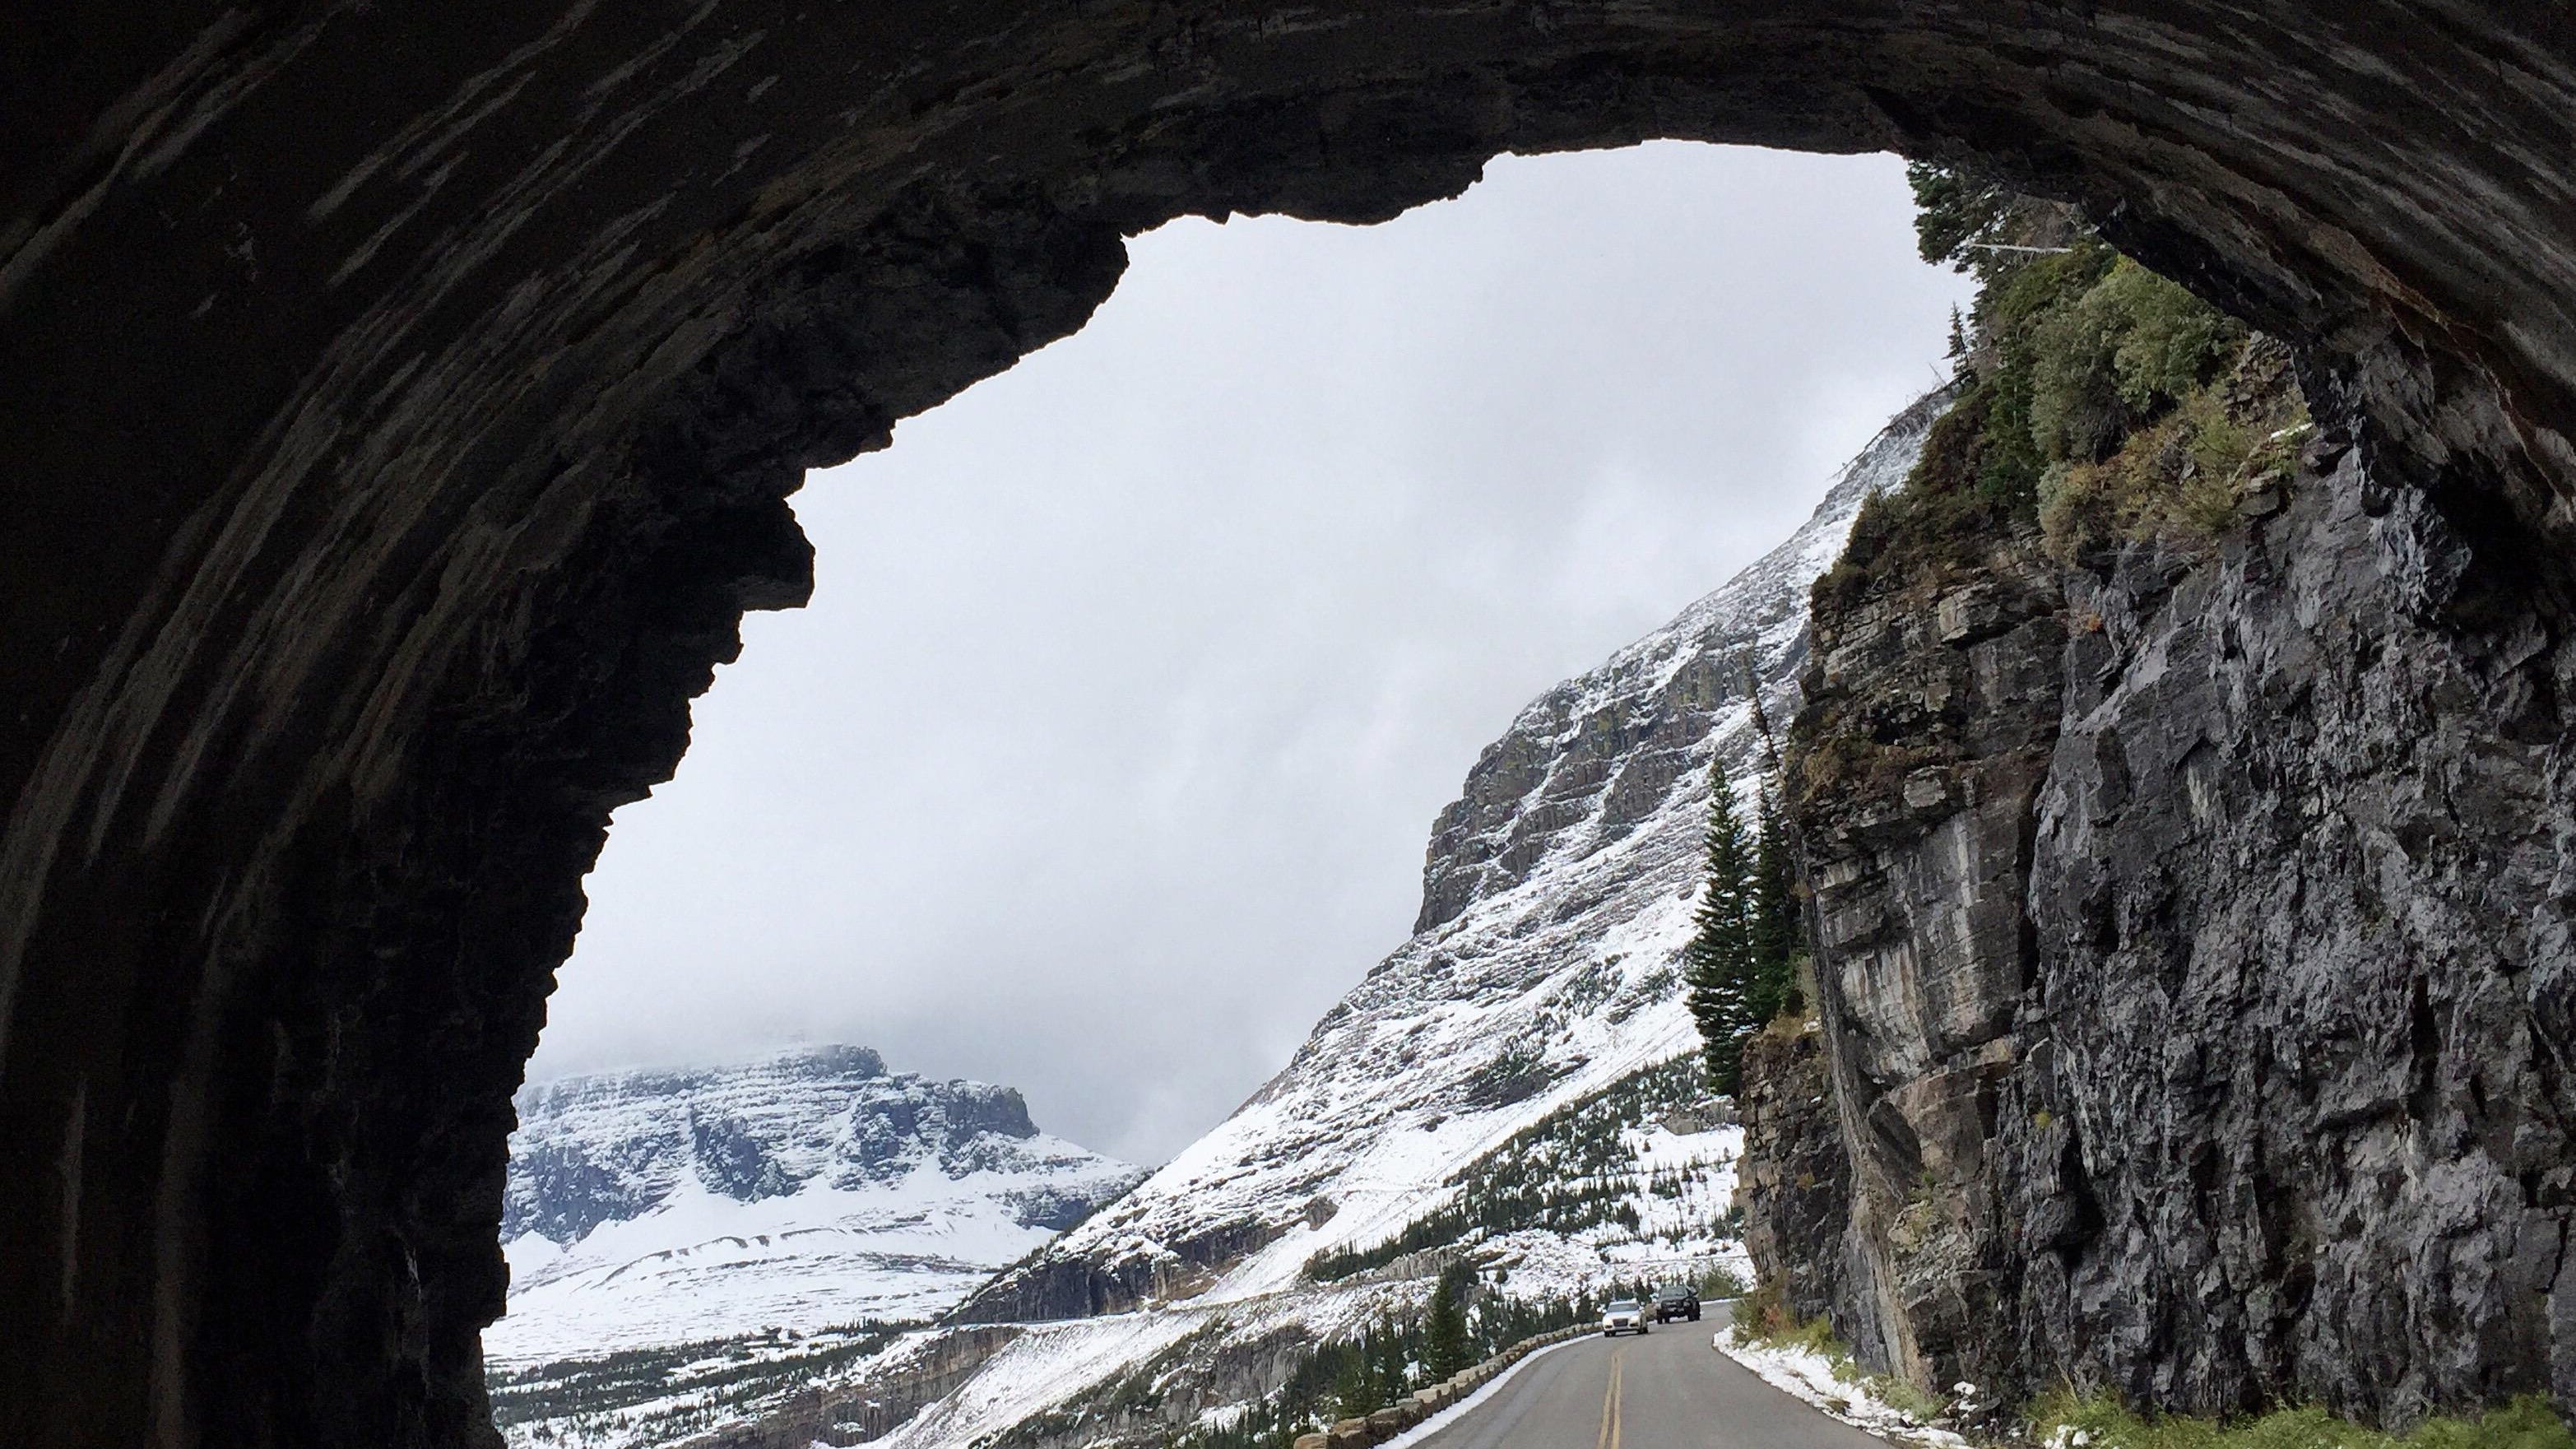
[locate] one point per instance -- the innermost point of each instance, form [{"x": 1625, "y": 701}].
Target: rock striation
[
  {"x": 1794, "y": 1183},
  {"x": 2192, "y": 933},
  {"x": 401, "y": 411}
]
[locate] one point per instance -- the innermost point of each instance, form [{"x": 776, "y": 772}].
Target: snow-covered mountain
[
  {"x": 1557, "y": 894},
  {"x": 1544, "y": 976},
  {"x": 800, "y": 1190},
  {"x": 1505, "y": 1081}
]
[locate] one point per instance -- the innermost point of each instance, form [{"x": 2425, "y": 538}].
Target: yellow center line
[{"x": 1610, "y": 1403}]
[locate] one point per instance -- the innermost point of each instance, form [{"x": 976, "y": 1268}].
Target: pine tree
[
  {"x": 1955, "y": 214},
  {"x": 1354, "y": 1387},
  {"x": 1719, "y": 963},
  {"x": 1446, "y": 1348},
  {"x": 1778, "y": 935},
  {"x": 1391, "y": 1379}
]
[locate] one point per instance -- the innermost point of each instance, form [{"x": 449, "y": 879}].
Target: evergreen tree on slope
[
  {"x": 1354, "y": 1384},
  {"x": 1779, "y": 937},
  {"x": 1446, "y": 1346},
  {"x": 1720, "y": 964}
]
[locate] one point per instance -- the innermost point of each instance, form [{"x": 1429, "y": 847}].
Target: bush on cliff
[{"x": 2097, "y": 400}]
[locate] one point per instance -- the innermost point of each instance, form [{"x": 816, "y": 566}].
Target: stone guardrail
[{"x": 1386, "y": 1423}]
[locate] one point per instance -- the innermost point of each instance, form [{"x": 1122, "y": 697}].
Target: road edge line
[{"x": 1493, "y": 1386}]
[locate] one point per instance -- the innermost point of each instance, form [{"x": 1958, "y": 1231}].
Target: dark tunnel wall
[{"x": 399, "y": 404}]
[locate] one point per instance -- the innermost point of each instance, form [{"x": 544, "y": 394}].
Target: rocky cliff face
[
  {"x": 1795, "y": 1181},
  {"x": 2194, "y": 950},
  {"x": 1922, "y": 743},
  {"x": 802, "y": 1189}
]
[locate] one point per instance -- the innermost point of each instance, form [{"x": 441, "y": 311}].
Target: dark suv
[{"x": 1674, "y": 1300}]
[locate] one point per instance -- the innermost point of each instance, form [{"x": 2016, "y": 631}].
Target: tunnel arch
[{"x": 401, "y": 411}]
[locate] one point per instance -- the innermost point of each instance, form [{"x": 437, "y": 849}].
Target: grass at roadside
[{"x": 2066, "y": 1420}]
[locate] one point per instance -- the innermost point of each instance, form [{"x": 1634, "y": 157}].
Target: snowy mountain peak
[
  {"x": 605, "y": 1147},
  {"x": 792, "y": 1190}
]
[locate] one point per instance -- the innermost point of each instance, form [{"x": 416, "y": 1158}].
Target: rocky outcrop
[
  {"x": 401, "y": 411},
  {"x": 1079, "y": 1285},
  {"x": 2193, "y": 934},
  {"x": 1925, "y": 736},
  {"x": 1794, "y": 1183},
  {"x": 872, "y": 1405}
]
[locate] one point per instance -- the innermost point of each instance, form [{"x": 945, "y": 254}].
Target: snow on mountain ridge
[
  {"x": 799, "y": 1189},
  {"x": 1557, "y": 895},
  {"x": 1556, "y": 898}
]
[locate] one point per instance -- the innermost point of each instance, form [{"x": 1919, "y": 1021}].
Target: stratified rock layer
[
  {"x": 1794, "y": 1183},
  {"x": 400, "y": 407},
  {"x": 2194, "y": 966}
]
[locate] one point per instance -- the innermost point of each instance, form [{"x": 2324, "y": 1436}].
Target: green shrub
[
  {"x": 1906, "y": 1398},
  {"x": 1721, "y": 1283},
  {"x": 2100, "y": 401},
  {"x": 2103, "y": 1422},
  {"x": 2170, "y": 341},
  {"x": 2179, "y": 479}
]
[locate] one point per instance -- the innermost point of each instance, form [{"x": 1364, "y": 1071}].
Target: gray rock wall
[
  {"x": 2195, "y": 956},
  {"x": 1923, "y": 742},
  {"x": 1794, "y": 1180},
  {"x": 2301, "y": 895}
]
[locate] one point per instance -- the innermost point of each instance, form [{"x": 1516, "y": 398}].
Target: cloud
[{"x": 1103, "y": 760}]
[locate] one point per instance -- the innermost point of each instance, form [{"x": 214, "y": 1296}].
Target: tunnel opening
[
  {"x": 1100, "y": 764},
  {"x": 398, "y": 480}
]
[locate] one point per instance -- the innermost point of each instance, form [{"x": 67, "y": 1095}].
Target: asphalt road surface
[{"x": 1666, "y": 1390}]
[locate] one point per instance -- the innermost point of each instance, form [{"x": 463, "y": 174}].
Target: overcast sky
[{"x": 1103, "y": 761}]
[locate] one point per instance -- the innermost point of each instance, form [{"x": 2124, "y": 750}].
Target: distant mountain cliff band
[{"x": 798, "y": 1190}]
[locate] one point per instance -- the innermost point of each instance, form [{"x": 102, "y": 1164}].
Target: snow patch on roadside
[{"x": 1819, "y": 1382}]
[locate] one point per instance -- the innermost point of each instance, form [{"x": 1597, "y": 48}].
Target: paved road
[{"x": 1667, "y": 1390}]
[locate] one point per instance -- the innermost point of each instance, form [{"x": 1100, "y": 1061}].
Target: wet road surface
[{"x": 1666, "y": 1390}]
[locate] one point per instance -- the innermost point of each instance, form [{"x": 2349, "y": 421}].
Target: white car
[{"x": 1625, "y": 1316}]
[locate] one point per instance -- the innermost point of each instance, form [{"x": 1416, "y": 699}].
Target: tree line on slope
[
  {"x": 676, "y": 1387},
  {"x": 1571, "y": 1171},
  {"x": 1461, "y": 1322}
]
